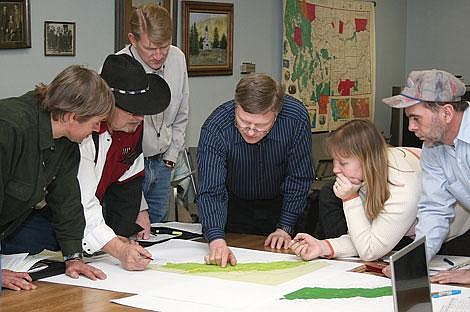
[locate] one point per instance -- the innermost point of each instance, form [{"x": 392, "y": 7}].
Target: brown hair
[
  {"x": 361, "y": 139},
  {"x": 78, "y": 90},
  {"x": 153, "y": 20},
  {"x": 258, "y": 93},
  {"x": 459, "y": 106}
]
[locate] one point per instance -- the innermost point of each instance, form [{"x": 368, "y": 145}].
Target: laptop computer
[{"x": 410, "y": 279}]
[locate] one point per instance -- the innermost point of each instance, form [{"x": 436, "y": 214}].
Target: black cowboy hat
[{"x": 133, "y": 89}]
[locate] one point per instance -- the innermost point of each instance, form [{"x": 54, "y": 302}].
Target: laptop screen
[{"x": 410, "y": 279}]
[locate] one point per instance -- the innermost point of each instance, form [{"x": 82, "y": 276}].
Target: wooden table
[{"x": 52, "y": 297}]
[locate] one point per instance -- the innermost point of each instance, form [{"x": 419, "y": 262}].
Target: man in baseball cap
[
  {"x": 111, "y": 168},
  {"x": 441, "y": 119}
]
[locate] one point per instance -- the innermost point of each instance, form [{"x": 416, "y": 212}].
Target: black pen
[{"x": 448, "y": 261}]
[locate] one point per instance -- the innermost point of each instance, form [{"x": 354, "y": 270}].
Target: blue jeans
[
  {"x": 34, "y": 235},
  {"x": 157, "y": 188}
]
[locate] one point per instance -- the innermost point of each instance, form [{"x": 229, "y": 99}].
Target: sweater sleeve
[{"x": 374, "y": 239}]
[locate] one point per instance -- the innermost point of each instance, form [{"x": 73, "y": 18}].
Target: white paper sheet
[{"x": 21, "y": 262}]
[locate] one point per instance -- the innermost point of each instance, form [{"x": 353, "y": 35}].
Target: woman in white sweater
[{"x": 379, "y": 187}]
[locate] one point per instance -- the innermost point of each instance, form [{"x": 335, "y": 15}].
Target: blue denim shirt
[{"x": 446, "y": 180}]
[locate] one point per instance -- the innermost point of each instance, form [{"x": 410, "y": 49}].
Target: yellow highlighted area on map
[{"x": 265, "y": 273}]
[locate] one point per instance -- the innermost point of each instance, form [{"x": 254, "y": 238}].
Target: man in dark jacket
[{"x": 39, "y": 159}]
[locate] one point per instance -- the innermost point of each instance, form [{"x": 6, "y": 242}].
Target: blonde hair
[
  {"x": 361, "y": 139},
  {"x": 258, "y": 93},
  {"x": 77, "y": 90},
  {"x": 152, "y": 20}
]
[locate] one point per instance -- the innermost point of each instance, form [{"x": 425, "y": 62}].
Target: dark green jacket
[{"x": 37, "y": 169}]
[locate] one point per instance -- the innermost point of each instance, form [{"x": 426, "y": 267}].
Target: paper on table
[
  {"x": 195, "y": 228},
  {"x": 438, "y": 263},
  {"x": 20, "y": 262},
  {"x": 456, "y": 305},
  {"x": 157, "y": 238}
]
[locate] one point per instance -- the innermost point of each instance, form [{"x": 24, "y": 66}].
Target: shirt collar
[
  {"x": 464, "y": 131},
  {"x": 46, "y": 140}
]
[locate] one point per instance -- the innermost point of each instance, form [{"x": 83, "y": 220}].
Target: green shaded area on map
[
  {"x": 241, "y": 267},
  {"x": 334, "y": 293}
]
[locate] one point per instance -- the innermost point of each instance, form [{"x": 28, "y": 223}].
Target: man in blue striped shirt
[{"x": 254, "y": 166}]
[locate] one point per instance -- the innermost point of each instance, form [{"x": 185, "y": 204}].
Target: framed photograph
[
  {"x": 123, "y": 17},
  {"x": 208, "y": 38},
  {"x": 59, "y": 38},
  {"x": 15, "y": 24}
]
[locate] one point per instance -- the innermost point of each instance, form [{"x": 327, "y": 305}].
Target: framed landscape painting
[{"x": 208, "y": 38}]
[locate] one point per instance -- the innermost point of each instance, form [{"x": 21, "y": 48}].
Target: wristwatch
[{"x": 74, "y": 256}]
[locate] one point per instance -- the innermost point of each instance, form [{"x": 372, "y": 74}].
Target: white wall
[
  {"x": 437, "y": 36},
  {"x": 390, "y": 29},
  {"x": 21, "y": 69}
]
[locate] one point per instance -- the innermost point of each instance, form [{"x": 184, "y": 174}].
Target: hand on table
[
  {"x": 132, "y": 256},
  {"x": 17, "y": 280},
  {"x": 307, "y": 247},
  {"x": 278, "y": 239},
  {"x": 220, "y": 254},
  {"x": 75, "y": 268},
  {"x": 458, "y": 277}
]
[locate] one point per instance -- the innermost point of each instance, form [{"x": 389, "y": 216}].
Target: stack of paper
[{"x": 22, "y": 262}]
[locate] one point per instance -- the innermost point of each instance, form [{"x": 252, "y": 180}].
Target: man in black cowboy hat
[{"x": 111, "y": 168}]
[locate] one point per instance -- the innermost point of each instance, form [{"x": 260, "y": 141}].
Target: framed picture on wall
[
  {"x": 59, "y": 38},
  {"x": 208, "y": 38},
  {"x": 15, "y": 24}
]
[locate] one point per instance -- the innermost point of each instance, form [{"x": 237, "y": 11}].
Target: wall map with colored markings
[{"x": 329, "y": 59}]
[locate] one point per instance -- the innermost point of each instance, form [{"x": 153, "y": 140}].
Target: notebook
[{"x": 410, "y": 278}]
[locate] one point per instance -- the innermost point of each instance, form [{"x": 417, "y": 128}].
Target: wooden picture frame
[
  {"x": 59, "y": 38},
  {"x": 15, "y": 24},
  {"x": 123, "y": 15},
  {"x": 208, "y": 38}
]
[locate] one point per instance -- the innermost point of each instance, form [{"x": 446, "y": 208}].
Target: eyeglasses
[{"x": 255, "y": 131}]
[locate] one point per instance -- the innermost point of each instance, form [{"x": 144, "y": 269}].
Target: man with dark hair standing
[
  {"x": 441, "y": 119},
  {"x": 150, "y": 37},
  {"x": 254, "y": 166},
  {"x": 39, "y": 193}
]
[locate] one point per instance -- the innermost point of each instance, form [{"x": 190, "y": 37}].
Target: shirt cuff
[
  {"x": 213, "y": 234},
  {"x": 99, "y": 237}
]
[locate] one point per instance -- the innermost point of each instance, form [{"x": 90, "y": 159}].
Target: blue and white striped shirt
[{"x": 279, "y": 165}]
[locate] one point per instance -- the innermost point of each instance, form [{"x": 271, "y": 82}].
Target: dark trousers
[
  {"x": 121, "y": 205},
  {"x": 252, "y": 216},
  {"x": 459, "y": 246},
  {"x": 34, "y": 235}
]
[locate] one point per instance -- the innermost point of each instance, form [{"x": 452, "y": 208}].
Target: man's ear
[
  {"x": 69, "y": 117},
  {"x": 132, "y": 38},
  {"x": 448, "y": 112}
]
